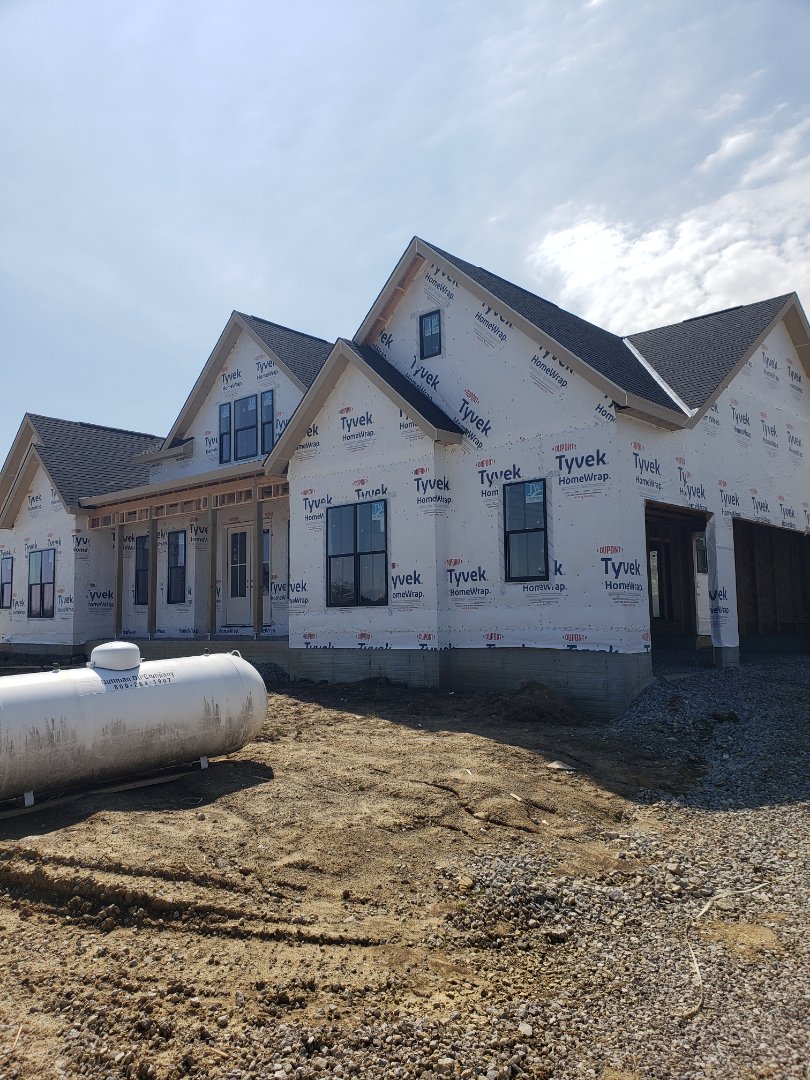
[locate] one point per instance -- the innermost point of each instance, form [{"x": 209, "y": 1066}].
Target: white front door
[{"x": 238, "y": 610}]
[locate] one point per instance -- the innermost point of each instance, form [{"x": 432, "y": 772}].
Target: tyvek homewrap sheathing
[
  {"x": 246, "y": 370},
  {"x": 83, "y": 571},
  {"x": 529, "y": 416}
]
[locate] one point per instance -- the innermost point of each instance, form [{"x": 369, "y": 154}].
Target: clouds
[{"x": 748, "y": 244}]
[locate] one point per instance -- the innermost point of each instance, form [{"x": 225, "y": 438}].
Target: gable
[{"x": 296, "y": 355}]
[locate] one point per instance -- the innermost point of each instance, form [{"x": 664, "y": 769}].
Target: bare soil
[{"x": 311, "y": 881}]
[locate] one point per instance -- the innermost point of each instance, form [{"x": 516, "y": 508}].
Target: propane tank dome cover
[{"x": 115, "y": 656}]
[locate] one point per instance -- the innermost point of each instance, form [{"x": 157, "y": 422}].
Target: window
[
  {"x": 225, "y": 433},
  {"x": 430, "y": 335},
  {"x": 356, "y": 555},
  {"x": 245, "y": 443},
  {"x": 177, "y": 567},
  {"x": 6, "y": 575},
  {"x": 41, "y": 575},
  {"x": 525, "y": 528},
  {"x": 141, "y": 569},
  {"x": 265, "y": 559},
  {"x": 267, "y": 421}
]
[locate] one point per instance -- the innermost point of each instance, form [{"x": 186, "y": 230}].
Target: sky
[{"x": 165, "y": 162}]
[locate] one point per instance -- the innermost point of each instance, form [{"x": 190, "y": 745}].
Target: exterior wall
[
  {"x": 247, "y": 370},
  {"x": 528, "y": 417},
  {"x": 42, "y": 522},
  {"x": 744, "y": 459}
]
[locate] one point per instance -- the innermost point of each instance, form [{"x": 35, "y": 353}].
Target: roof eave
[
  {"x": 179, "y": 483},
  {"x": 22, "y": 481}
]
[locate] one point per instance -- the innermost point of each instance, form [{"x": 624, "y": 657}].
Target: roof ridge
[
  {"x": 281, "y": 326},
  {"x": 90, "y": 424},
  {"x": 711, "y": 314}
]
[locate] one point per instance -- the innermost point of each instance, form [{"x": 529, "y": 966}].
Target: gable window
[
  {"x": 6, "y": 575},
  {"x": 525, "y": 531},
  {"x": 225, "y": 433},
  {"x": 430, "y": 335},
  {"x": 41, "y": 576},
  {"x": 356, "y": 541},
  {"x": 245, "y": 441},
  {"x": 177, "y": 568},
  {"x": 141, "y": 570},
  {"x": 267, "y": 421}
]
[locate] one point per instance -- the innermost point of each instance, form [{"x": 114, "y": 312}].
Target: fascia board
[
  {"x": 791, "y": 303},
  {"x": 22, "y": 481},
  {"x": 270, "y": 354},
  {"x": 25, "y": 437},
  {"x": 389, "y": 290},
  {"x": 205, "y": 380},
  {"x": 179, "y": 484},
  {"x": 308, "y": 408},
  {"x": 799, "y": 329}
]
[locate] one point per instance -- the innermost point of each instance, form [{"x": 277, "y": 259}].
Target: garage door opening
[{"x": 773, "y": 587}]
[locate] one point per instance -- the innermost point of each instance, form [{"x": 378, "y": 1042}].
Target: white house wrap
[{"x": 478, "y": 489}]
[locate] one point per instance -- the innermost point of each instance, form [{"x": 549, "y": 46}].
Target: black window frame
[
  {"x": 6, "y": 583},
  {"x": 225, "y": 439},
  {"x": 358, "y": 555},
  {"x": 268, "y": 426},
  {"x": 507, "y": 532},
  {"x": 265, "y": 562},
  {"x": 254, "y": 427},
  {"x": 176, "y": 572},
  {"x": 141, "y": 571},
  {"x": 424, "y": 353},
  {"x": 44, "y": 612}
]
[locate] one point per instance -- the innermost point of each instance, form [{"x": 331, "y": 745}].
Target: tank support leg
[
  {"x": 29, "y": 798},
  {"x": 203, "y": 762}
]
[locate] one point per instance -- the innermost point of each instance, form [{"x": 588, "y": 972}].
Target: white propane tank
[{"x": 118, "y": 715}]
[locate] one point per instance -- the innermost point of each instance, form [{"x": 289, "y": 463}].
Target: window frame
[
  {"x": 225, "y": 432},
  {"x": 141, "y": 582},
  {"x": 507, "y": 532},
  {"x": 423, "y": 353},
  {"x": 357, "y": 555},
  {"x": 267, "y": 426},
  {"x": 43, "y": 612},
  {"x": 179, "y": 567},
  {"x": 254, "y": 427},
  {"x": 6, "y": 583}
]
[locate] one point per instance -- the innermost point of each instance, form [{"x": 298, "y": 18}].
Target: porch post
[
  {"x": 723, "y": 591},
  {"x": 118, "y": 595},
  {"x": 151, "y": 604},
  {"x": 211, "y": 612},
  {"x": 256, "y": 566}
]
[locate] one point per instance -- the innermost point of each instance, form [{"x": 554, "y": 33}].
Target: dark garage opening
[{"x": 773, "y": 587}]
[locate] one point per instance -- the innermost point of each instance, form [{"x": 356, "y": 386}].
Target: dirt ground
[{"x": 311, "y": 882}]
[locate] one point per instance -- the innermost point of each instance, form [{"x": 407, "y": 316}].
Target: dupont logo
[
  {"x": 345, "y": 411},
  {"x": 491, "y": 639},
  {"x": 575, "y": 637},
  {"x": 564, "y": 447},
  {"x": 610, "y": 549}
]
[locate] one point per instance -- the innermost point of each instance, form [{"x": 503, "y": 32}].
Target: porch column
[
  {"x": 118, "y": 595},
  {"x": 723, "y": 591},
  {"x": 151, "y": 604},
  {"x": 211, "y": 611},
  {"x": 256, "y": 566}
]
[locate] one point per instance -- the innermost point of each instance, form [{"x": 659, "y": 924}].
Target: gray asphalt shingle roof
[
  {"x": 88, "y": 459},
  {"x": 303, "y": 354},
  {"x": 695, "y": 356},
  {"x": 601, "y": 350},
  {"x": 405, "y": 388}
]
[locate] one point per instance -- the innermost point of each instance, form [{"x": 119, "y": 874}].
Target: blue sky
[{"x": 166, "y": 162}]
